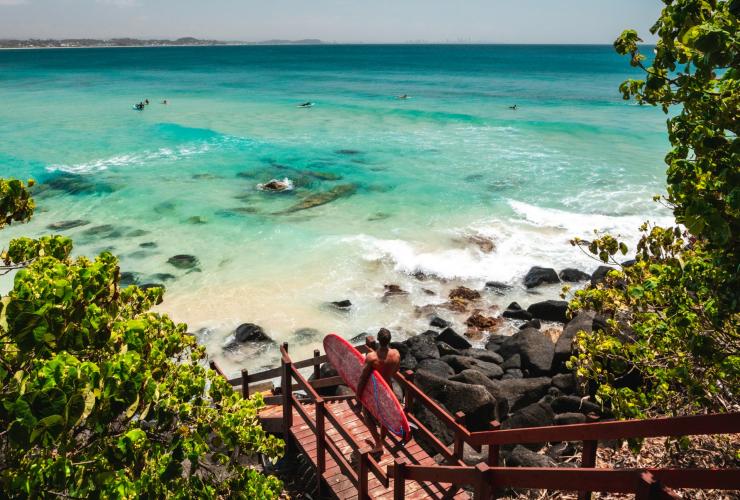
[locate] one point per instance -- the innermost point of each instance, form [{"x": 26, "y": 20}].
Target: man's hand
[{"x": 367, "y": 370}]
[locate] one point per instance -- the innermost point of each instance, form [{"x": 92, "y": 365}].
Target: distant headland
[{"x": 34, "y": 43}]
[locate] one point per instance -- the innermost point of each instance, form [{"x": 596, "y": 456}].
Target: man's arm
[{"x": 367, "y": 370}]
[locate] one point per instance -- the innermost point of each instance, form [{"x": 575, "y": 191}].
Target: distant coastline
[{"x": 84, "y": 43}]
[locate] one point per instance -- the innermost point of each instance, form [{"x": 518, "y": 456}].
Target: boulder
[
  {"x": 422, "y": 346},
  {"x": 460, "y": 363},
  {"x": 473, "y": 400},
  {"x": 483, "y": 355},
  {"x": 438, "y": 322},
  {"x": 574, "y": 404},
  {"x": 599, "y": 275},
  {"x": 533, "y": 323},
  {"x": 326, "y": 370},
  {"x": 570, "y": 418},
  {"x": 512, "y": 373},
  {"x": 183, "y": 261},
  {"x": 483, "y": 323},
  {"x": 629, "y": 263},
  {"x": 519, "y": 392},
  {"x": 342, "y": 305},
  {"x": 517, "y": 314},
  {"x": 536, "y": 350},
  {"x": 449, "y": 336},
  {"x": 563, "y": 348},
  {"x": 573, "y": 275},
  {"x": 408, "y": 363},
  {"x": 523, "y": 457},
  {"x": 402, "y": 348},
  {"x": 566, "y": 382},
  {"x": 464, "y": 293},
  {"x": 514, "y": 306},
  {"x": 550, "y": 310},
  {"x": 534, "y": 415},
  {"x": 445, "y": 349},
  {"x": 249, "y": 332},
  {"x": 514, "y": 361},
  {"x": 474, "y": 377},
  {"x": 343, "y": 390},
  {"x": 436, "y": 367},
  {"x": 305, "y": 335},
  {"x": 435, "y": 425},
  {"x": 495, "y": 342},
  {"x": 497, "y": 287},
  {"x": 391, "y": 290},
  {"x": 67, "y": 224},
  {"x": 540, "y": 275}
]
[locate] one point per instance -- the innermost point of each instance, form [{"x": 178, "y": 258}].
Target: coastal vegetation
[
  {"x": 670, "y": 339},
  {"x": 102, "y": 398}
]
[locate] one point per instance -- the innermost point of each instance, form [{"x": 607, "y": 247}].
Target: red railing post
[
  {"x": 459, "y": 445},
  {"x": 408, "y": 398},
  {"x": 245, "y": 383},
  {"x": 316, "y": 368},
  {"x": 588, "y": 460},
  {"x": 484, "y": 488},
  {"x": 494, "y": 449},
  {"x": 399, "y": 481},
  {"x": 362, "y": 474},
  {"x": 287, "y": 393},
  {"x": 320, "y": 446}
]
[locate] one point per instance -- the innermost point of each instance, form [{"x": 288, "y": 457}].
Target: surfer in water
[{"x": 386, "y": 361}]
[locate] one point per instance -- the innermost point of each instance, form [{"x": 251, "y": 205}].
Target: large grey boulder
[
  {"x": 454, "y": 339},
  {"x": 249, "y": 332},
  {"x": 436, "y": 366},
  {"x": 422, "y": 346},
  {"x": 574, "y": 275},
  {"x": 483, "y": 355},
  {"x": 535, "y": 348},
  {"x": 473, "y": 400},
  {"x": 564, "y": 346},
  {"x": 475, "y": 377},
  {"x": 540, "y": 275},
  {"x": 518, "y": 393},
  {"x": 574, "y": 404},
  {"x": 460, "y": 363},
  {"x": 550, "y": 310},
  {"x": 534, "y": 415},
  {"x": 600, "y": 274},
  {"x": 523, "y": 457}
]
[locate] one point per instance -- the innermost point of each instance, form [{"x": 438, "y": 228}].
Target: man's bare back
[{"x": 386, "y": 361}]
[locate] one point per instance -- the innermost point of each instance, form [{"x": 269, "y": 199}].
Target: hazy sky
[{"x": 497, "y": 21}]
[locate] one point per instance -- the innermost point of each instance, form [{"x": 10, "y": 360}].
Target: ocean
[{"x": 449, "y": 186}]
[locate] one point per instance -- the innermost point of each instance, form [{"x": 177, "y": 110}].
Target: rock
[
  {"x": 197, "y": 219},
  {"x": 629, "y": 263},
  {"x": 445, "y": 349},
  {"x": 435, "y": 425},
  {"x": 520, "y": 392},
  {"x": 348, "y": 152},
  {"x": 438, "y": 322},
  {"x": 472, "y": 457},
  {"x": 422, "y": 346},
  {"x": 514, "y": 306},
  {"x": 574, "y": 275},
  {"x": 483, "y": 355},
  {"x": 494, "y": 342},
  {"x": 486, "y": 245},
  {"x": 463, "y": 293},
  {"x": 128, "y": 279},
  {"x": 562, "y": 450},
  {"x": 408, "y": 363},
  {"x": 570, "y": 418},
  {"x": 514, "y": 361},
  {"x": 483, "y": 323},
  {"x": 249, "y": 332},
  {"x": 305, "y": 335},
  {"x": 550, "y": 310},
  {"x": 326, "y": 370},
  {"x": 475, "y": 377},
  {"x": 391, "y": 290},
  {"x": 566, "y": 382},
  {"x": 343, "y": 390},
  {"x": 600, "y": 274},
  {"x": 436, "y": 367},
  {"x": 473, "y": 400},
  {"x": 540, "y": 275},
  {"x": 452, "y": 338},
  {"x": 183, "y": 261},
  {"x": 402, "y": 348},
  {"x": 536, "y": 350},
  {"x": 137, "y": 232},
  {"x": 148, "y": 244},
  {"x": 497, "y": 287},
  {"x": 523, "y": 457},
  {"x": 460, "y": 363},
  {"x": 324, "y": 176},
  {"x": 456, "y": 305},
  {"x": 67, "y": 224},
  {"x": 317, "y": 199},
  {"x": 342, "y": 305},
  {"x": 276, "y": 185},
  {"x": 532, "y": 323},
  {"x": 428, "y": 291},
  {"x": 517, "y": 314},
  {"x": 563, "y": 348},
  {"x": 534, "y": 415},
  {"x": 574, "y": 404},
  {"x": 512, "y": 373},
  {"x": 163, "y": 276}
]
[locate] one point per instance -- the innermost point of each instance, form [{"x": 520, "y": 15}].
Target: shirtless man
[{"x": 386, "y": 361}]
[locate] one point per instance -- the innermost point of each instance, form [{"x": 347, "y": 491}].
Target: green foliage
[
  {"x": 671, "y": 343},
  {"x": 16, "y": 204},
  {"x": 99, "y": 397}
]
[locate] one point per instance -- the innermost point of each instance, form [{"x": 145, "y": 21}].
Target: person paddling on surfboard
[{"x": 386, "y": 361}]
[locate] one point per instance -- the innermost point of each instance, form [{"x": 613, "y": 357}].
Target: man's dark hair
[{"x": 384, "y": 337}]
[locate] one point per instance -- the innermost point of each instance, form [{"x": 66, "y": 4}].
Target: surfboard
[{"x": 377, "y": 396}]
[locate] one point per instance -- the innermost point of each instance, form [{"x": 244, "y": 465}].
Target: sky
[{"x": 343, "y": 21}]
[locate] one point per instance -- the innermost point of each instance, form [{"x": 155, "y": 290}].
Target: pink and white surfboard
[{"x": 377, "y": 396}]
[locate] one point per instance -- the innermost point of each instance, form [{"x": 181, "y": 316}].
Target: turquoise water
[{"x": 410, "y": 181}]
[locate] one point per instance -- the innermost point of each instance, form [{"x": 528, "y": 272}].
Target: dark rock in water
[
  {"x": 324, "y": 176},
  {"x": 438, "y": 322},
  {"x": 148, "y": 244},
  {"x": 564, "y": 346},
  {"x": 391, "y": 290},
  {"x": 498, "y": 287},
  {"x": 342, "y": 305},
  {"x": 574, "y": 404},
  {"x": 517, "y": 314},
  {"x": 103, "y": 231},
  {"x": 550, "y": 310},
  {"x": 483, "y": 355},
  {"x": 494, "y": 342},
  {"x": 128, "y": 279},
  {"x": 574, "y": 275},
  {"x": 275, "y": 186},
  {"x": 303, "y": 335},
  {"x": 533, "y": 323},
  {"x": 566, "y": 382},
  {"x": 534, "y": 415},
  {"x": 348, "y": 152},
  {"x": 523, "y": 457},
  {"x": 428, "y": 291},
  {"x": 514, "y": 306},
  {"x": 570, "y": 418},
  {"x": 512, "y": 373},
  {"x": 436, "y": 367},
  {"x": 483, "y": 323},
  {"x": 163, "y": 276},
  {"x": 358, "y": 339},
  {"x": 514, "y": 361},
  {"x": 452, "y": 338},
  {"x": 67, "y": 224},
  {"x": 249, "y": 332},
  {"x": 317, "y": 199},
  {"x": 536, "y": 350},
  {"x": 600, "y": 274},
  {"x": 197, "y": 219},
  {"x": 473, "y": 400},
  {"x": 183, "y": 261},
  {"x": 75, "y": 184},
  {"x": 464, "y": 293},
  {"x": 422, "y": 346},
  {"x": 540, "y": 275},
  {"x": 137, "y": 233},
  {"x": 140, "y": 254},
  {"x": 460, "y": 363},
  {"x": 420, "y": 276},
  {"x": 445, "y": 349}
]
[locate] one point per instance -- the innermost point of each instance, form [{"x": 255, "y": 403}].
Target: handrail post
[
  {"x": 399, "y": 481},
  {"x": 287, "y": 393},
  {"x": 320, "y": 446},
  {"x": 459, "y": 446},
  {"x": 407, "y": 394},
  {"x": 362, "y": 474},
  {"x": 245, "y": 383},
  {"x": 494, "y": 449},
  {"x": 484, "y": 487},
  {"x": 588, "y": 460},
  {"x": 316, "y": 368}
]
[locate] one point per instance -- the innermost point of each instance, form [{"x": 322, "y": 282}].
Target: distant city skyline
[{"x": 339, "y": 21}]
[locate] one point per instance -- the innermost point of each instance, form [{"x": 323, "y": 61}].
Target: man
[{"x": 386, "y": 361}]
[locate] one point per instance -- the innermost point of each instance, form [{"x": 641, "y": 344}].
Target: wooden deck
[{"x": 340, "y": 486}]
